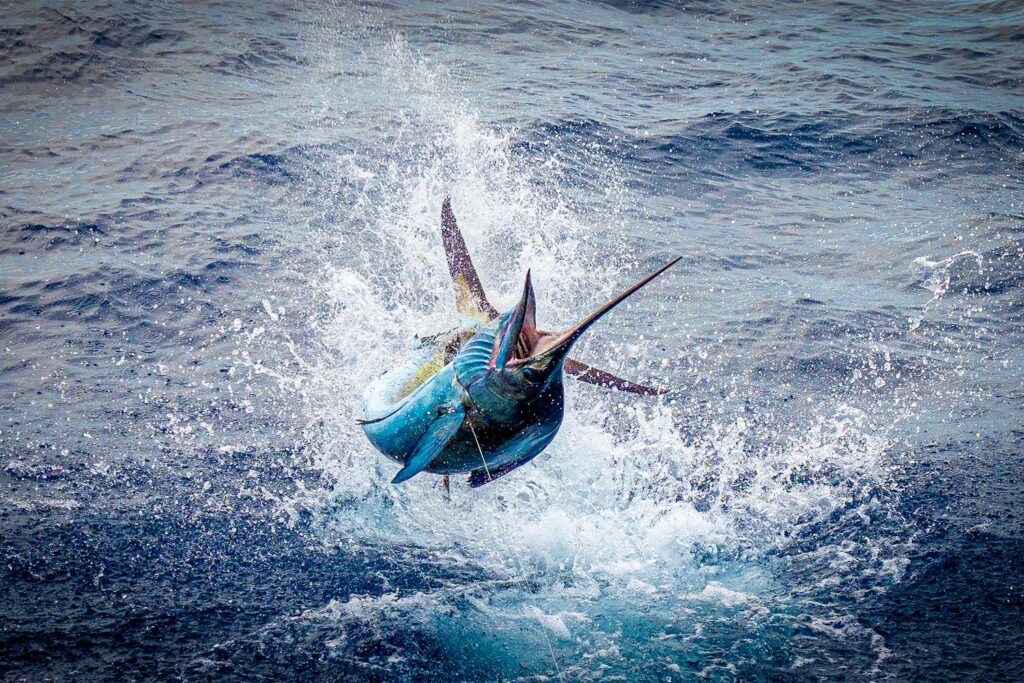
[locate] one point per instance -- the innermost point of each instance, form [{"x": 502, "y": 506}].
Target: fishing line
[
  {"x": 480, "y": 450},
  {"x": 519, "y": 562}
]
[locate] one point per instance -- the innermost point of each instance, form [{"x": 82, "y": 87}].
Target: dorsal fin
[{"x": 470, "y": 298}]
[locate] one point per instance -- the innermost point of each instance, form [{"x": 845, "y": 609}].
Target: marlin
[{"x": 487, "y": 397}]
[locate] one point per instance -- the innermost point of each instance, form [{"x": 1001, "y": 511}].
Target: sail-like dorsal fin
[{"x": 469, "y": 292}]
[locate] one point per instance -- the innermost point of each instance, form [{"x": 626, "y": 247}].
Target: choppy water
[{"x": 220, "y": 223}]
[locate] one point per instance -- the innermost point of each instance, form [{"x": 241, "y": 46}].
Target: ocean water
[{"x": 221, "y": 221}]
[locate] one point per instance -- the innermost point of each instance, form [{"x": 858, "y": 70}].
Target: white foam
[
  {"x": 636, "y": 500},
  {"x": 716, "y": 592}
]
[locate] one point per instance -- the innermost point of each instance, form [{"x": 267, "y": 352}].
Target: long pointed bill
[
  {"x": 520, "y": 331},
  {"x": 560, "y": 344}
]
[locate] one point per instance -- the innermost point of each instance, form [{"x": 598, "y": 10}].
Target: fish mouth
[
  {"x": 518, "y": 330},
  {"x": 522, "y": 343}
]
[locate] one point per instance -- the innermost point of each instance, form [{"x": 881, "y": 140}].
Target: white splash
[{"x": 638, "y": 506}]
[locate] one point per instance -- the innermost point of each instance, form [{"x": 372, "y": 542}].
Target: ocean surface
[{"x": 221, "y": 221}]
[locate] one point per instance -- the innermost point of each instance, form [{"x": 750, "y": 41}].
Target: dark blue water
[{"x": 221, "y": 222}]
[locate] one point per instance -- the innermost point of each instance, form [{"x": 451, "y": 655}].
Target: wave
[
  {"x": 121, "y": 296},
  {"x": 991, "y": 272},
  {"x": 72, "y": 45},
  {"x": 756, "y": 143}
]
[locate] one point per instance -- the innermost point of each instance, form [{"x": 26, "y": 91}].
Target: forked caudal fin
[
  {"x": 592, "y": 375},
  {"x": 470, "y": 298}
]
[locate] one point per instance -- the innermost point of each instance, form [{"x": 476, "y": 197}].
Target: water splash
[
  {"x": 937, "y": 276},
  {"x": 645, "y": 521}
]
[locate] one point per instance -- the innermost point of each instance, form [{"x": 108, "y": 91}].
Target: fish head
[{"x": 525, "y": 360}]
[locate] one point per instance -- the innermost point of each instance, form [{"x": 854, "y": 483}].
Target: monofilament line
[
  {"x": 519, "y": 562},
  {"x": 479, "y": 450}
]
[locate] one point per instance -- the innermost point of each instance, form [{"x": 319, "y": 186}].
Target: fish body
[
  {"x": 486, "y": 398},
  {"x": 503, "y": 418}
]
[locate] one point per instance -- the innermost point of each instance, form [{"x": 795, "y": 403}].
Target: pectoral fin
[
  {"x": 590, "y": 375},
  {"x": 431, "y": 444}
]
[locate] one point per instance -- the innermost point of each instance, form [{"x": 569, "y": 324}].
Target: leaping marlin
[{"x": 488, "y": 397}]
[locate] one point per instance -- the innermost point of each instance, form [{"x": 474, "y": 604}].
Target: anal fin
[
  {"x": 478, "y": 478},
  {"x": 431, "y": 444}
]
